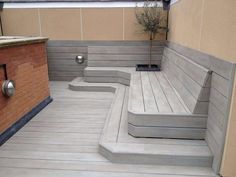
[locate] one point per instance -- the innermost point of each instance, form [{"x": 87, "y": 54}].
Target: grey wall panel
[
  {"x": 61, "y": 60},
  {"x": 220, "y": 97},
  {"x": 221, "y": 67},
  {"x": 61, "y": 55},
  {"x": 123, "y": 55},
  {"x": 189, "y": 79}
]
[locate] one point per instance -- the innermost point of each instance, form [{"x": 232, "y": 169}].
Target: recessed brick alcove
[{"x": 27, "y": 66}]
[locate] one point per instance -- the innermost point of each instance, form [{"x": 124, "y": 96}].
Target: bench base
[
  {"x": 119, "y": 147},
  {"x": 166, "y": 132},
  {"x": 144, "y": 119}
]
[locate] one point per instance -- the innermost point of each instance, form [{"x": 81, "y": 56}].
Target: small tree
[{"x": 151, "y": 19}]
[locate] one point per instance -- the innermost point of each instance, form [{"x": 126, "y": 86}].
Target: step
[
  {"x": 108, "y": 74},
  {"x": 119, "y": 147},
  {"x": 78, "y": 84}
]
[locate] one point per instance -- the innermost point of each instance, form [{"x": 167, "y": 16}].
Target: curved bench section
[
  {"x": 119, "y": 147},
  {"x": 155, "y": 109},
  {"x": 120, "y": 75}
]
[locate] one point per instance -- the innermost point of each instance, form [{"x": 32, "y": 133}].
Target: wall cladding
[
  {"x": 61, "y": 55},
  {"x": 75, "y": 23},
  {"x": 220, "y": 98},
  {"x": 61, "y": 60},
  {"x": 27, "y": 66}
]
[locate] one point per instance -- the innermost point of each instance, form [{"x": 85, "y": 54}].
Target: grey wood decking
[
  {"x": 62, "y": 141},
  {"x": 220, "y": 96},
  {"x": 155, "y": 108},
  {"x": 118, "y": 146}
]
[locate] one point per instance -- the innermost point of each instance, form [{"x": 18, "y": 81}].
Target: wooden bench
[
  {"x": 116, "y": 145},
  {"x": 172, "y": 103}
]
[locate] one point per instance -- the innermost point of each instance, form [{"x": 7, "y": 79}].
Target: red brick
[{"x": 27, "y": 66}]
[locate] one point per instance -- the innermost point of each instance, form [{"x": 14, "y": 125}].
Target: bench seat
[
  {"x": 155, "y": 109},
  {"x": 119, "y": 147}
]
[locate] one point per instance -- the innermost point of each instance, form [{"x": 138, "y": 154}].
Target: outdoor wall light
[
  {"x": 79, "y": 59},
  {"x": 8, "y": 86}
]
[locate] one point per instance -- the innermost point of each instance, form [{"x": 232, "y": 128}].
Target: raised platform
[
  {"x": 118, "y": 146},
  {"x": 155, "y": 109}
]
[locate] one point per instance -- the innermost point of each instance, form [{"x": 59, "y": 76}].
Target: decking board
[{"x": 37, "y": 150}]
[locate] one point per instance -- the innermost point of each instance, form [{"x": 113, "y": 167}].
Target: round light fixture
[
  {"x": 79, "y": 59},
  {"x": 8, "y": 88}
]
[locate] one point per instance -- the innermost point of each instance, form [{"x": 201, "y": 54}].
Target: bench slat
[
  {"x": 162, "y": 102},
  {"x": 124, "y": 49},
  {"x": 194, "y": 70},
  {"x": 136, "y": 95},
  {"x": 172, "y": 98},
  {"x": 199, "y": 92},
  {"x": 149, "y": 100}
]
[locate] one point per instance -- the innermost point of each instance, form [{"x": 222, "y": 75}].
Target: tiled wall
[{"x": 75, "y": 23}]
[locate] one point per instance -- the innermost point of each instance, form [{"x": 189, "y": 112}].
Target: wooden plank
[
  {"x": 64, "y": 148},
  {"x": 222, "y": 67},
  {"x": 53, "y": 156},
  {"x": 124, "y": 50},
  {"x": 59, "y": 49},
  {"x": 194, "y": 105},
  {"x": 53, "y": 140},
  {"x": 122, "y": 57},
  {"x": 136, "y": 102},
  {"x": 199, "y": 92},
  {"x": 187, "y": 97},
  {"x": 61, "y": 129},
  {"x": 108, "y": 80},
  {"x": 173, "y": 100},
  {"x": 216, "y": 150},
  {"x": 220, "y": 84},
  {"x": 219, "y": 100},
  {"x": 218, "y": 117},
  {"x": 219, "y": 66},
  {"x": 111, "y": 129},
  {"x": 194, "y": 55},
  {"x": 65, "y": 55},
  {"x": 161, "y": 100},
  {"x": 195, "y": 71},
  {"x": 61, "y": 135},
  {"x": 65, "y": 124},
  {"x": 65, "y": 62},
  {"x": 66, "y": 68},
  {"x": 76, "y": 43},
  {"x": 104, "y": 167},
  {"x": 168, "y": 120},
  {"x": 19, "y": 172},
  {"x": 148, "y": 96},
  {"x": 106, "y": 73},
  {"x": 119, "y": 63},
  {"x": 166, "y": 132}
]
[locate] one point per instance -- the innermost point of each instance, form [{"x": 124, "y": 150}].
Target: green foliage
[{"x": 150, "y": 18}]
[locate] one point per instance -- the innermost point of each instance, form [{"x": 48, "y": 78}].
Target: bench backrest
[
  {"x": 191, "y": 80},
  {"x": 121, "y": 55}
]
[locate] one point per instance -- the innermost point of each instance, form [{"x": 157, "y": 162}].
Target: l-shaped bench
[
  {"x": 172, "y": 103},
  {"x": 190, "y": 78}
]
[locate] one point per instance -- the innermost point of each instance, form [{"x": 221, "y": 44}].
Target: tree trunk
[{"x": 150, "y": 51}]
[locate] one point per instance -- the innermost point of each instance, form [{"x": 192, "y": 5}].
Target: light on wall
[
  {"x": 79, "y": 59},
  {"x": 8, "y": 86}
]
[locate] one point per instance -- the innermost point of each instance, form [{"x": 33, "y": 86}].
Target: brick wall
[{"x": 27, "y": 66}]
